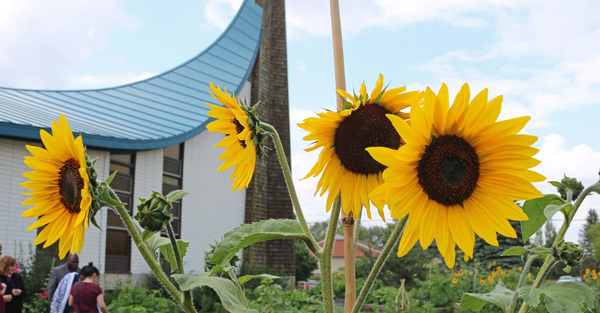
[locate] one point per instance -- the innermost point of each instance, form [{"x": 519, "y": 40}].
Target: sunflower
[
  {"x": 458, "y": 173},
  {"x": 60, "y": 189},
  {"x": 454, "y": 280},
  {"x": 345, "y": 165},
  {"x": 240, "y": 125}
]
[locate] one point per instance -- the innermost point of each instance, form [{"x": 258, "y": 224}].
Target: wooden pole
[{"x": 347, "y": 220}]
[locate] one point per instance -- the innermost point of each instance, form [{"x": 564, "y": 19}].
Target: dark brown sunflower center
[
  {"x": 366, "y": 127},
  {"x": 70, "y": 184},
  {"x": 448, "y": 170},
  {"x": 239, "y": 128}
]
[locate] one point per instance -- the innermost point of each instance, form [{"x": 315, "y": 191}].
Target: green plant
[
  {"x": 31, "y": 269},
  {"x": 134, "y": 299}
]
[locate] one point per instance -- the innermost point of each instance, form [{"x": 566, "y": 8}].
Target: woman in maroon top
[{"x": 86, "y": 296}]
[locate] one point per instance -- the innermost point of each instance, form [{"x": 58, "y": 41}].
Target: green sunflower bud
[
  {"x": 570, "y": 184},
  {"x": 258, "y": 134},
  {"x": 153, "y": 213},
  {"x": 97, "y": 203},
  {"x": 569, "y": 253}
]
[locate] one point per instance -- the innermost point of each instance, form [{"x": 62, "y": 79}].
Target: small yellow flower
[
  {"x": 454, "y": 280},
  {"x": 520, "y": 268},
  {"x": 587, "y": 270},
  {"x": 528, "y": 275},
  {"x": 460, "y": 272},
  {"x": 587, "y": 280},
  {"x": 593, "y": 272},
  {"x": 494, "y": 263},
  {"x": 498, "y": 268},
  {"x": 482, "y": 282},
  {"x": 499, "y": 279}
]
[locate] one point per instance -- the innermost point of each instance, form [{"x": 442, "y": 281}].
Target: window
[
  {"x": 118, "y": 241},
  {"x": 173, "y": 180}
]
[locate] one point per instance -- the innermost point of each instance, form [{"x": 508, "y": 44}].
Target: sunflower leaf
[
  {"x": 562, "y": 297},
  {"x": 557, "y": 184},
  {"x": 246, "y": 278},
  {"x": 535, "y": 211},
  {"x": 248, "y": 234},
  {"x": 166, "y": 248},
  {"x": 514, "y": 251},
  {"x": 500, "y": 296},
  {"x": 541, "y": 250},
  {"x": 551, "y": 209},
  {"x": 176, "y": 195},
  {"x": 224, "y": 288}
]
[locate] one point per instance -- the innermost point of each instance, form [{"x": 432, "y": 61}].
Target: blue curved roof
[{"x": 158, "y": 112}]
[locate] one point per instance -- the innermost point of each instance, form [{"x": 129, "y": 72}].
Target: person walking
[
  {"x": 57, "y": 274},
  {"x": 86, "y": 296},
  {"x": 15, "y": 289}
]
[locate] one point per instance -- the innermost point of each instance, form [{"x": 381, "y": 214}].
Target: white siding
[{"x": 148, "y": 178}]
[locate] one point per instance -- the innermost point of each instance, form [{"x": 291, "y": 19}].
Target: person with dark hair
[
  {"x": 57, "y": 274},
  {"x": 86, "y": 296},
  {"x": 14, "y": 293}
]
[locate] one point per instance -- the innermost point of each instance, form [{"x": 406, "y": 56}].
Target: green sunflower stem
[
  {"x": 513, "y": 301},
  {"x": 325, "y": 257},
  {"x": 549, "y": 262},
  {"x": 391, "y": 243},
  {"x": 313, "y": 246},
  {"x": 239, "y": 288},
  {"x": 187, "y": 295},
  {"x": 149, "y": 256}
]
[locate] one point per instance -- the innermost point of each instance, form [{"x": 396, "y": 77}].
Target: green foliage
[
  {"x": 586, "y": 240},
  {"x": 535, "y": 211},
  {"x": 39, "y": 265},
  {"x": 500, "y": 296},
  {"x": 225, "y": 288},
  {"x": 248, "y": 234},
  {"x": 166, "y": 248},
  {"x": 305, "y": 263},
  {"x": 594, "y": 234},
  {"x": 562, "y": 297},
  {"x": 488, "y": 254},
  {"x": 408, "y": 267},
  {"x": 137, "y": 299},
  {"x": 271, "y": 298}
]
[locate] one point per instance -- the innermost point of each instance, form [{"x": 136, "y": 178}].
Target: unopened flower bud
[
  {"x": 569, "y": 253},
  {"x": 570, "y": 184},
  {"x": 153, "y": 213}
]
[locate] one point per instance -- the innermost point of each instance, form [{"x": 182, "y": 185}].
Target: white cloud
[
  {"x": 43, "y": 41},
  {"x": 312, "y": 17},
  {"x": 220, "y": 12},
  {"x": 83, "y": 82}
]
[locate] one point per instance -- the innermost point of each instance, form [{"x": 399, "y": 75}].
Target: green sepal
[
  {"x": 225, "y": 289},
  {"x": 500, "y": 296},
  {"x": 105, "y": 195},
  {"x": 111, "y": 177},
  {"x": 556, "y": 184},
  {"x": 514, "y": 251},
  {"x": 567, "y": 269}
]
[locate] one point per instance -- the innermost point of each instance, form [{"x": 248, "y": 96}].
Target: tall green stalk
[
  {"x": 313, "y": 246},
  {"x": 325, "y": 257},
  {"x": 391, "y": 243},
  {"x": 149, "y": 256},
  {"x": 187, "y": 295}
]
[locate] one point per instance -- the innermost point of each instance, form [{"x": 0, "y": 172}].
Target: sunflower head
[
  {"x": 244, "y": 140},
  {"x": 458, "y": 173},
  {"x": 60, "y": 189},
  {"x": 344, "y": 165}
]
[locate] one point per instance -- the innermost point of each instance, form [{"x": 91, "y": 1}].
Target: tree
[
  {"x": 319, "y": 230},
  {"x": 305, "y": 263},
  {"x": 586, "y": 241},
  {"x": 594, "y": 234},
  {"x": 549, "y": 234},
  {"x": 487, "y": 254}
]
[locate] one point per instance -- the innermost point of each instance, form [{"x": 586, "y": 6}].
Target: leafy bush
[
  {"x": 37, "y": 266},
  {"x": 271, "y": 298},
  {"x": 137, "y": 299}
]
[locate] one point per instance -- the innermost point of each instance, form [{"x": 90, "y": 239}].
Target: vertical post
[{"x": 347, "y": 220}]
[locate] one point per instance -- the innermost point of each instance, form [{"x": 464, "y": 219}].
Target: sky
[{"x": 542, "y": 56}]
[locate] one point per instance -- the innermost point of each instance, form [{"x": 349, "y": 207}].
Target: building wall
[{"x": 208, "y": 212}]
